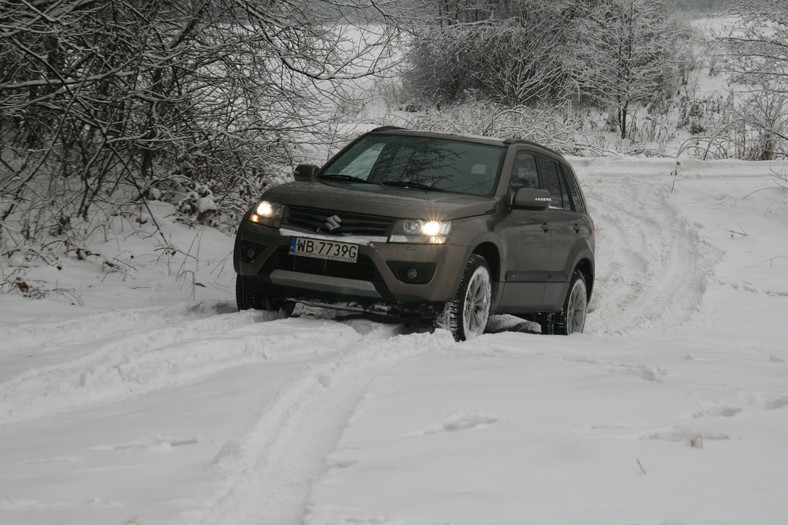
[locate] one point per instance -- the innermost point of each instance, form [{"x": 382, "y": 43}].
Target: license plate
[{"x": 323, "y": 249}]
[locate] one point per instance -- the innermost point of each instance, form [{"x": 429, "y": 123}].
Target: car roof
[{"x": 493, "y": 141}]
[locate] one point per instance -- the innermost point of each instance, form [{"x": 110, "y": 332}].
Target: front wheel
[
  {"x": 246, "y": 295},
  {"x": 249, "y": 297},
  {"x": 467, "y": 314}
]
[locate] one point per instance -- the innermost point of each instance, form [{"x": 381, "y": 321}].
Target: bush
[{"x": 514, "y": 60}]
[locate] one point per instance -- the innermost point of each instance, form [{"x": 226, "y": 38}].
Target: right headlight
[
  {"x": 268, "y": 213},
  {"x": 420, "y": 231}
]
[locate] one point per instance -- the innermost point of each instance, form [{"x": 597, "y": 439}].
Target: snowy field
[{"x": 156, "y": 403}]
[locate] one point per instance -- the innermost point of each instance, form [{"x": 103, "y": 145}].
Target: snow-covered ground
[{"x": 156, "y": 403}]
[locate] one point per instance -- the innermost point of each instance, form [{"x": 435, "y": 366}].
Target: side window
[
  {"x": 574, "y": 190},
  {"x": 550, "y": 182},
  {"x": 524, "y": 174}
]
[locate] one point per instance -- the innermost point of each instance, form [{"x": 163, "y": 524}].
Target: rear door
[{"x": 565, "y": 223}]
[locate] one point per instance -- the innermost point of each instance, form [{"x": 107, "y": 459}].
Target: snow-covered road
[{"x": 148, "y": 407}]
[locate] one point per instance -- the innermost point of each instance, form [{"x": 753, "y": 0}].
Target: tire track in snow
[
  {"x": 142, "y": 361},
  {"x": 269, "y": 471},
  {"x": 652, "y": 266},
  {"x": 77, "y": 332}
]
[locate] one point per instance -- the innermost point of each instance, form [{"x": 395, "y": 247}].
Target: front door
[{"x": 526, "y": 245}]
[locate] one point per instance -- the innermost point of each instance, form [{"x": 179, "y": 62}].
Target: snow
[{"x": 151, "y": 400}]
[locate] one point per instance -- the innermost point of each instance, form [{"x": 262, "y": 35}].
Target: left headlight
[
  {"x": 268, "y": 213},
  {"x": 420, "y": 231}
]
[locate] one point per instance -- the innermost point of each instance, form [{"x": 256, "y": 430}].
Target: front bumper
[{"x": 416, "y": 278}]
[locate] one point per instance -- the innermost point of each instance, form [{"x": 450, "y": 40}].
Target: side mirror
[
  {"x": 305, "y": 172},
  {"x": 532, "y": 199}
]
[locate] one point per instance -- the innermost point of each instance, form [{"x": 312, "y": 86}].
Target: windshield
[{"x": 420, "y": 162}]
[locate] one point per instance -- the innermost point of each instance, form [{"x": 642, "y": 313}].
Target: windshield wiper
[
  {"x": 343, "y": 178},
  {"x": 413, "y": 184}
]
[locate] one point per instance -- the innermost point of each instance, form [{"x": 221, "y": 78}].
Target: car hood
[{"x": 374, "y": 199}]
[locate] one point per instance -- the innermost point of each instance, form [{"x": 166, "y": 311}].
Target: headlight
[
  {"x": 420, "y": 231},
  {"x": 268, "y": 213}
]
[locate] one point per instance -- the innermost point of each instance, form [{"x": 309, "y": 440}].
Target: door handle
[
  {"x": 545, "y": 227},
  {"x": 578, "y": 229}
]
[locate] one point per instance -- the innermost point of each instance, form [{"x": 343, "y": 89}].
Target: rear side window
[
  {"x": 551, "y": 181},
  {"x": 574, "y": 190}
]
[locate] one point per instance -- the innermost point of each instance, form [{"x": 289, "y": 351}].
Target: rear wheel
[
  {"x": 467, "y": 314},
  {"x": 572, "y": 318}
]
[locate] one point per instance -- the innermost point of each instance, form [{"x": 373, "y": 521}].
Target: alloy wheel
[{"x": 476, "y": 309}]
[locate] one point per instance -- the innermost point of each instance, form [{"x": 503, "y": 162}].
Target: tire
[
  {"x": 572, "y": 318},
  {"x": 467, "y": 314},
  {"x": 248, "y": 297},
  {"x": 547, "y": 322}
]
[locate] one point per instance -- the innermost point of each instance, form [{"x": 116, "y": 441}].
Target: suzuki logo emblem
[{"x": 333, "y": 222}]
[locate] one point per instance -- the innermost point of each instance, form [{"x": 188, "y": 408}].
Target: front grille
[
  {"x": 363, "y": 269},
  {"x": 315, "y": 219}
]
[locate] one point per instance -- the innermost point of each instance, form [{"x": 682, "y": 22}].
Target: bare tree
[
  {"x": 755, "y": 52},
  {"x": 625, "y": 54},
  {"x": 512, "y": 52},
  {"x": 101, "y": 100},
  {"x": 523, "y": 58}
]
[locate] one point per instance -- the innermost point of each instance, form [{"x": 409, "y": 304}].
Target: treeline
[
  {"x": 705, "y": 6},
  {"x": 614, "y": 54},
  {"x": 614, "y": 57},
  {"x": 199, "y": 102}
]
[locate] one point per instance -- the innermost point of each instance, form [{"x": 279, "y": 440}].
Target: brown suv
[{"x": 428, "y": 225}]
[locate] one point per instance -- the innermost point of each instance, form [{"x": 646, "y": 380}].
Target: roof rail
[
  {"x": 513, "y": 140},
  {"x": 386, "y": 128}
]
